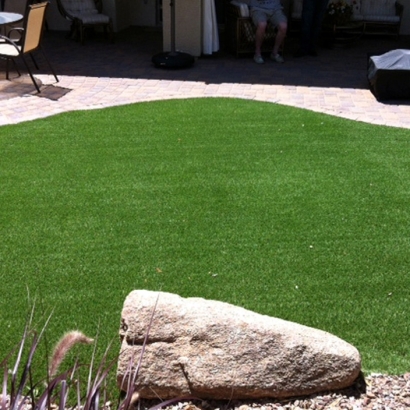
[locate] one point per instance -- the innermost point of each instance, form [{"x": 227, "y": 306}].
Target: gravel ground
[{"x": 375, "y": 392}]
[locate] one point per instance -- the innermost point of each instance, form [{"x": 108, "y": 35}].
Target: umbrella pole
[
  {"x": 173, "y": 59},
  {"x": 173, "y": 48}
]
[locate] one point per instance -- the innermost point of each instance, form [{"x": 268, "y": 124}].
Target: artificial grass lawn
[{"x": 286, "y": 212}]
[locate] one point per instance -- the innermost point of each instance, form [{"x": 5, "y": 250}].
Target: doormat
[{"x": 52, "y": 92}]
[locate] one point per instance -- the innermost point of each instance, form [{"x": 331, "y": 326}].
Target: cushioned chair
[
  {"x": 31, "y": 35},
  {"x": 240, "y": 30},
  {"x": 84, "y": 14}
]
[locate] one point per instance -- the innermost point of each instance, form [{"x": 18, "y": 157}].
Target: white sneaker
[
  {"x": 258, "y": 59},
  {"x": 277, "y": 57}
]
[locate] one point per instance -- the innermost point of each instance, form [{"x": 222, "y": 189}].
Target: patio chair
[
  {"x": 84, "y": 14},
  {"x": 31, "y": 36}
]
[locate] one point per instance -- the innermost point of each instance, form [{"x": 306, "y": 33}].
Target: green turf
[{"x": 286, "y": 212}]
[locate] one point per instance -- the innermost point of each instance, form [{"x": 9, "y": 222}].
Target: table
[
  {"x": 343, "y": 35},
  {"x": 9, "y": 18}
]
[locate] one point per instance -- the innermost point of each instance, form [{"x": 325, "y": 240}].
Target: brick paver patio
[{"x": 100, "y": 74}]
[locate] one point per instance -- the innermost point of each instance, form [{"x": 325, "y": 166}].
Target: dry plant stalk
[{"x": 63, "y": 346}]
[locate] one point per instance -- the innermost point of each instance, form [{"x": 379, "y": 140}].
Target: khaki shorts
[{"x": 275, "y": 18}]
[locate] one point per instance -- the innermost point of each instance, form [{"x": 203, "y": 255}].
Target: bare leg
[
  {"x": 280, "y": 37},
  {"x": 259, "y": 36}
]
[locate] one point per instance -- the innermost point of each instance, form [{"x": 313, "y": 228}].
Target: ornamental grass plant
[
  {"x": 23, "y": 389},
  {"x": 286, "y": 212},
  {"x": 339, "y": 12}
]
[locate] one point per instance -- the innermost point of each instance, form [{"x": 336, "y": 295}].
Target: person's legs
[
  {"x": 280, "y": 37},
  {"x": 260, "y": 20},
  {"x": 259, "y": 36},
  {"x": 278, "y": 20}
]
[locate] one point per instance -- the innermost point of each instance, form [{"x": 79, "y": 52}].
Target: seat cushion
[
  {"x": 92, "y": 18},
  {"x": 381, "y": 19},
  {"x": 7, "y": 49}
]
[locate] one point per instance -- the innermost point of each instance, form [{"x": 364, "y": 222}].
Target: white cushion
[
  {"x": 7, "y": 49},
  {"x": 243, "y": 8},
  {"x": 92, "y": 18}
]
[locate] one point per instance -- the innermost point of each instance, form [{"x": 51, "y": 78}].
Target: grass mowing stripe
[{"x": 283, "y": 211}]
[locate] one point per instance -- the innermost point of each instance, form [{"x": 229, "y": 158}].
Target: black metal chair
[
  {"x": 84, "y": 14},
  {"x": 31, "y": 36}
]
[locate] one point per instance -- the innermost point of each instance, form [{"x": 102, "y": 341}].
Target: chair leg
[
  {"x": 73, "y": 31},
  {"x": 111, "y": 32},
  {"x": 30, "y": 73},
  {"x": 34, "y": 61},
  {"x": 16, "y": 67},
  {"x": 8, "y": 67},
  {"x": 49, "y": 64},
  {"x": 82, "y": 33},
  {"x": 108, "y": 32}
]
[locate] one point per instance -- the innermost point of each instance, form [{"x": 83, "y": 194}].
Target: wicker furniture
[
  {"x": 378, "y": 16},
  {"x": 240, "y": 31},
  {"x": 382, "y": 17}
]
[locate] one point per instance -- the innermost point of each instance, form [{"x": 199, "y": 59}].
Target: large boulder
[{"x": 215, "y": 350}]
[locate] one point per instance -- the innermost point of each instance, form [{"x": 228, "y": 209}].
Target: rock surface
[
  {"x": 376, "y": 392},
  {"x": 215, "y": 350}
]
